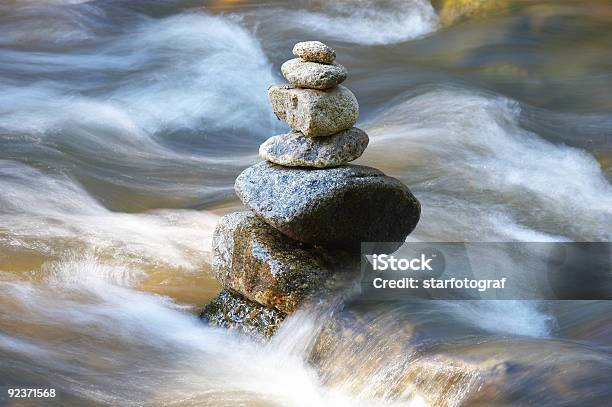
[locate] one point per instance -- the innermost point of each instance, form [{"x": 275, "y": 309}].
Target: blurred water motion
[{"x": 123, "y": 125}]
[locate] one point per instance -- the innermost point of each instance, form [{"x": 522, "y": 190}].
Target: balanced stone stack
[{"x": 309, "y": 209}]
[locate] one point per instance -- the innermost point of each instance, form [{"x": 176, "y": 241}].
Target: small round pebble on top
[{"x": 314, "y": 51}]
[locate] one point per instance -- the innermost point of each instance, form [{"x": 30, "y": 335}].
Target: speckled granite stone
[
  {"x": 315, "y": 113},
  {"x": 314, "y": 51},
  {"x": 313, "y": 75},
  {"x": 335, "y": 207},
  {"x": 257, "y": 261},
  {"x": 296, "y": 150}
]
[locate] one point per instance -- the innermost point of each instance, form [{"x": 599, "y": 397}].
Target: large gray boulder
[
  {"x": 315, "y": 113},
  {"x": 263, "y": 265},
  {"x": 313, "y": 75},
  {"x": 232, "y": 311},
  {"x": 335, "y": 207},
  {"x": 296, "y": 150},
  {"x": 314, "y": 51}
]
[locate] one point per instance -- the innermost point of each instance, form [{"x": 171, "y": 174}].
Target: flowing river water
[{"x": 124, "y": 124}]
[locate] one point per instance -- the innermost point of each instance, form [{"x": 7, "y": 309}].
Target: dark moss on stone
[{"x": 232, "y": 311}]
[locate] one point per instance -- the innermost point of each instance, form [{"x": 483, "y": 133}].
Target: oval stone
[
  {"x": 296, "y": 150},
  {"x": 313, "y": 75},
  {"x": 314, "y": 51},
  {"x": 335, "y": 207}
]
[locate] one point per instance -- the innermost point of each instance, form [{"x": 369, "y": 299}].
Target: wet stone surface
[
  {"x": 254, "y": 259},
  {"x": 335, "y": 207},
  {"x": 230, "y": 310}
]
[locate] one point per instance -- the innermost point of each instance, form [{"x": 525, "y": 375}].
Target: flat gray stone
[
  {"x": 335, "y": 207},
  {"x": 315, "y": 113},
  {"x": 313, "y": 75},
  {"x": 232, "y": 311},
  {"x": 314, "y": 51},
  {"x": 296, "y": 150},
  {"x": 255, "y": 260}
]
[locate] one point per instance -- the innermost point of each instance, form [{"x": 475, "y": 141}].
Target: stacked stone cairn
[{"x": 309, "y": 209}]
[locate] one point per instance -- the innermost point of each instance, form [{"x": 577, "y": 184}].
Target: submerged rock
[
  {"x": 296, "y": 150},
  {"x": 230, "y": 310},
  {"x": 313, "y": 75},
  {"x": 315, "y": 113},
  {"x": 337, "y": 207},
  {"x": 419, "y": 359},
  {"x": 257, "y": 261},
  {"x": 453, "y": 11},
  {"x": 314, "y": 51}
]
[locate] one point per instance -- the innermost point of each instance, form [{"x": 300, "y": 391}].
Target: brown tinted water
[{"x": 123, "y": 126}]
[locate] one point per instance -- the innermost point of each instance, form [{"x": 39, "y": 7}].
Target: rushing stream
[{"x": 124, "y": 124}]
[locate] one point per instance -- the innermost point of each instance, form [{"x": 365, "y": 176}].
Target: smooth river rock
[
  {"x": 315, "y": 113},
  {"x": 232, "y": 311},
  {"x": 296, "y": 150},
  {"x": 337, "y": 207},
  {"x": 314, "y": 51},
  {"x": 257, "y": 261},
  {"x": 313, "y": 75}
]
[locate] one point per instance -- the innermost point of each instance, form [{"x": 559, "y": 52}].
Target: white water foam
[
  {"x": 481, "y": 177},
  {"x": 371, "y": 22},
  {"x": 141, "y": 103},
  {"x": 514, "y": 318},
  {"x": 364, "y": 22},
  {"x": 122, "y": 347},
  {"x": 44, "y": 213},
  {"x": 185, "y": 71}
]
